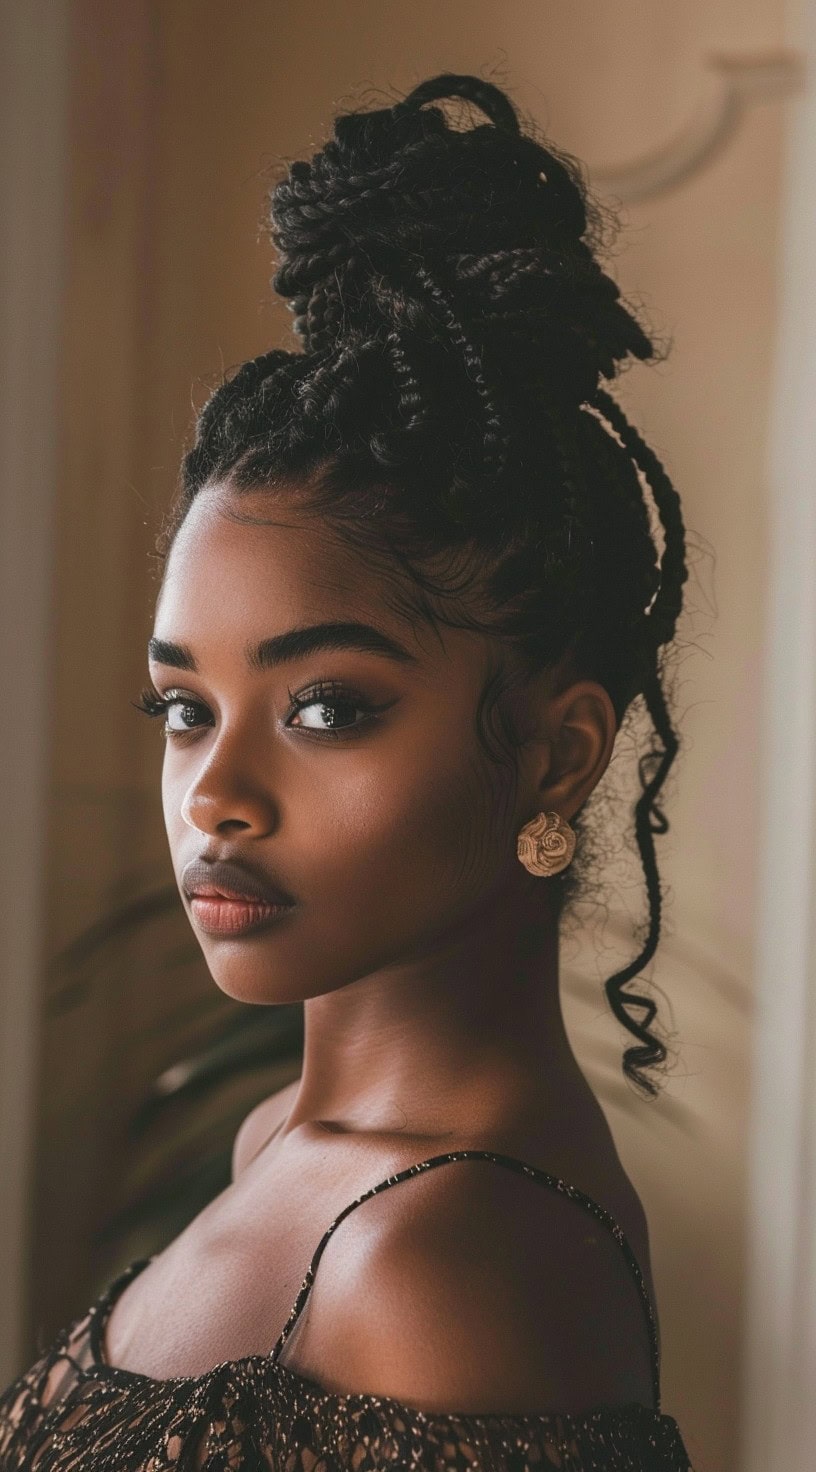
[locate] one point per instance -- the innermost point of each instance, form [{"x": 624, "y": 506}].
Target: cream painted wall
[{"x": 178, "y": 110}]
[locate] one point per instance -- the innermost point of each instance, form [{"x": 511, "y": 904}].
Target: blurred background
[{"x": 138, "y": 143}]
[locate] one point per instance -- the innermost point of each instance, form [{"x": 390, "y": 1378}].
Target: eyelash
[{"x": 324, "y": 692}]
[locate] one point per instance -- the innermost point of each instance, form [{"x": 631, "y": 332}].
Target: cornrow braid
[
  {"x": 445, "y": 406},
  {"x": 496, "y": 443},
  {"x": 215, "y": 425}
]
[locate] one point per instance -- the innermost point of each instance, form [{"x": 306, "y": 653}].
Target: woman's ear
[{"x": 565, "y": 758}]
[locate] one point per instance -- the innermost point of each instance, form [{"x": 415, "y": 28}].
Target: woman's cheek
[{"x": 420, "y": 836}]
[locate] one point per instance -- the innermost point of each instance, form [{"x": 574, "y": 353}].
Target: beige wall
[
  {"x": 33, "y": 73},
  {"x": 177, "y": 110}
]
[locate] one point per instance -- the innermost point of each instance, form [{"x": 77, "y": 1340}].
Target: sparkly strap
[{"x": 522, "y": 1168}]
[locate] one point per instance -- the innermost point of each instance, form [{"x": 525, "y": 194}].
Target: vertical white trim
[
  {"x": 33, "y": 126},
  {"x": 779, "y": 1371}
]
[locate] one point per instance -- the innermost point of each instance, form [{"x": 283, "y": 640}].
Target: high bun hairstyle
[{"x": 446, "y": 409}]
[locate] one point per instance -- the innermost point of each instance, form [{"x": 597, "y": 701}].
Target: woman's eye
[
  {"x": 329, "y": 716},
  {"x": 151, "y": 703},
  {"x": 186, "y": 712}
]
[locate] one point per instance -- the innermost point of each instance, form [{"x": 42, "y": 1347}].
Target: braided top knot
[{"x": 402, "y": 221}]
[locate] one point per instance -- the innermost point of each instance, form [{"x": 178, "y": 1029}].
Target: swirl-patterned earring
[{"x": 546, "y": 844}]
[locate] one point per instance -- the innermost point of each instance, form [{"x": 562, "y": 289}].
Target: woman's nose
[{"x": 229, "y": 791}]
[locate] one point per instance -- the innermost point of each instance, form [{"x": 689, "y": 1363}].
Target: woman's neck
[{"x": 450, "y": 1043}]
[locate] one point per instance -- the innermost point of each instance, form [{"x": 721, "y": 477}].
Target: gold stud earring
[{"x": 546, "y": 844}]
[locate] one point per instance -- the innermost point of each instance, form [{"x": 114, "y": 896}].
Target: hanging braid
[
  {"x": 674, "y": 572},
  {"x": 455, "y": 325},
  {"x": 653, "y": 766}
]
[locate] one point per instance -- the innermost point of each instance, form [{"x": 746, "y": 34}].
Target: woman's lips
[{"x": 220, "y": 915}]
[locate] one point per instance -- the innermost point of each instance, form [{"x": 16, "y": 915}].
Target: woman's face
[{"x": 369, "y": 800}]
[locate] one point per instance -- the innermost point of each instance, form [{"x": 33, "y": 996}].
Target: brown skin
[{"x": 427, "y": 959}]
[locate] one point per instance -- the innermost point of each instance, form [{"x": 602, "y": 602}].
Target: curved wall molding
[{"x": 733, "y": 84}]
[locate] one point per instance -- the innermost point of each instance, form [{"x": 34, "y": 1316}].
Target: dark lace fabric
[{"x": 74, "y": 1412}]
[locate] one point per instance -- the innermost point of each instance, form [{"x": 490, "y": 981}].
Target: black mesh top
[{"x": 74, "y": 1412}]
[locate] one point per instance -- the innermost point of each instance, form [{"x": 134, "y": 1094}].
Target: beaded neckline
[{"x": 102, "y": 1308}]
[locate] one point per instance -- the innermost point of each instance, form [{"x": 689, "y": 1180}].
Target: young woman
[{"x": 410, "y": 590}]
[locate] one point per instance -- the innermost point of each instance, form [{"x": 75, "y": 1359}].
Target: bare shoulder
[
  {"x": 261, "y": 1122},
  {"x": 474, "y": 1288}
]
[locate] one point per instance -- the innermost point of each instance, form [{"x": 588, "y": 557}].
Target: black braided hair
[{"x": 446, "y": 409}]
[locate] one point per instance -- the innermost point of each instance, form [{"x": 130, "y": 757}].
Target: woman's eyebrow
[{"x": 294, "y": 644}]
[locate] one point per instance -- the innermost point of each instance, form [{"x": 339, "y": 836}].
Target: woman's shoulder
[
  {"x": 477, "y": 1287},
  {"x": 474, "y": 1285}
]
